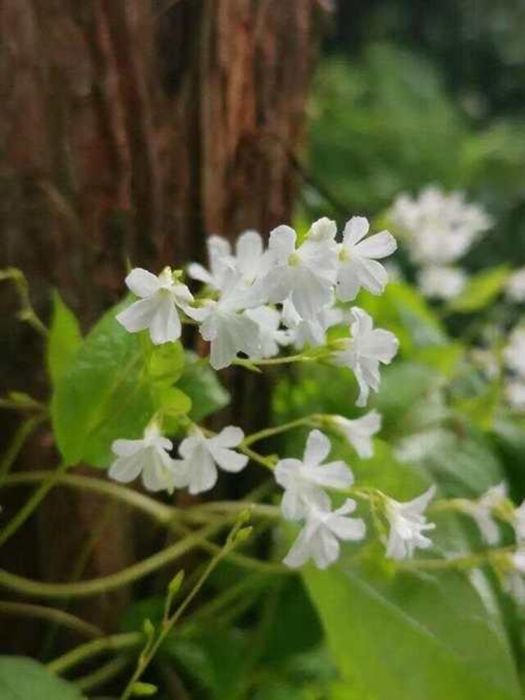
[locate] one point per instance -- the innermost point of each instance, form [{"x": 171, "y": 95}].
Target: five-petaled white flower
[
  {"x": 364, "y": 351},
  {"x": 202, "y": 455},
  {"x": 147, "y": 456},
  {"x": 442, "y": 282},
  {"x": 482, "y": 509},
  {"x": 408, "y": 525},
  {"x": 358, "y": 259},
  {"x": 305, "y": 274},
  {"x": 157, "y": 307},
  {"x": 359, "y": 431},
  {"x": 304, "y": 480},
  {"x": 228, "y": 330},
  {"x": 320, "y": 535}
]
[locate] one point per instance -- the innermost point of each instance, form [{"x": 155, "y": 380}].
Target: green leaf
[
  {"x": 409, "y": 637},
  {"x": 24, "y": 679},
  {"x": 200, "y": 383},
  {"x": 63, "y": 340},
  {"x": 166, "y": 362},
  {"x": 481, "y": 290},
  {"x": 102, "y": 395}
]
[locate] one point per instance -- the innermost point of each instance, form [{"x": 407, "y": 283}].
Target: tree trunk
[{"x": 129, "y": 130}]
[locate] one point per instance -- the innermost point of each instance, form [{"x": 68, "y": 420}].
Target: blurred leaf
[
  {"x": 409, "y": 637},
  {"x": 24, "y": 679},
  {"x": 102, "y": 395},
  {"x": 461, "y": 460},
  {"x": 201, "y": 384},
  {"x": 166, "y": 362},
  {"x": 173, "y": 405},
  {"x": 63, "y": 340},
  {"x": 481, "y": 290}
]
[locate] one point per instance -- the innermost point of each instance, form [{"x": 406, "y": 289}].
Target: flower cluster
[
  {"x": 255, "y": 302},
  {"x": 197, "y": 470},
  {"x": 440, "y": 228}
]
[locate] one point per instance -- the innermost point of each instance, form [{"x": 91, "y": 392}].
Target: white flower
[
  {"x": 228, "y": 331},
  {"x": 482, "y": 509},
  {"x": 440, "y": 227},
  {"x": 519, "y": 522},
  {"x": 364, "y": 350},
  {"x": 249, "y": 263},
  {"x": 268, "y": 321},
  {"x": 513, "y": 582},
  {"x": 157, "y": 307},
  {"x": 359, "y": 431},
  {"x": 221, "y": 263},
  {"x": 201, "y": 457},
  {"x": 407, "y": 525},
  {"x": 319, "y": 538},
  {"x": 311, "y": 331},
  {"x": 515, "y": 287},
  {"x": 514, "y": 353},
  {"x": 149, "y": 457},
  {"x": 305, "y": 274},
  {"x": 358, "y": 266},
  {"x": 515, "y": 393},
  {"x": 441, "y": 282},
  {"x": 303, "y": 481}
]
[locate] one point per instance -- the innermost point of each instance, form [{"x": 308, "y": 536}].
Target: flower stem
[
  {"x": 32, "y": 504},
  {"x": 146, "y": 657},
  {"x": 160, "y": 512},
  {"x": 18, "y": 441},
  {"x": 102, "y": 674},
  {"x": 27, "y": 312},
  {"x": 59, "y": 617},
  {"x": 309, "y": 421},
  {"x": 114, "y": 642},
  {"x": 80, "y": 589}
]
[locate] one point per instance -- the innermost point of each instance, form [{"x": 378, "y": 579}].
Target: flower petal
[
  {"x": 317, "y": 448},
  {"x": 229, "y": 460},
  {"x": 378, "y": 246},
  {"x": 165, "y": 326},
  {"x": 355, "y": 229},
  {"x": 139, "y": 315},
  {"x": 282, "y": 243},
  {"x": 231, "y": 436},
  {"x": 142, "y": 283}
]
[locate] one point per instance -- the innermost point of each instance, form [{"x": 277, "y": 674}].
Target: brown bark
[{"x": 129, "y": 129}]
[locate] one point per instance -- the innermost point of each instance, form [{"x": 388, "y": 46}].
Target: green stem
[
  {"x": 115, "y": 642},
  {"x": 27, "y": 312},
  {"x": 147, "y": 656},
  {"x": 463, "y": 561},
  {"x": 160, "y": 512},
  {"x": 32, "y": 504},
  {"x": 18, "y": 441},
  {"x": 273, "y": 361},
  {"x": 105, "y": 584},
  {"x": 59, "y": 617},
  {"x": 103, "y": 674},
  {"x": 267, "y": 462},
  {"x": 309, "y": 421}
]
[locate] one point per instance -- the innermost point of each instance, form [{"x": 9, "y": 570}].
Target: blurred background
[{"x": 408, "y": 94}]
